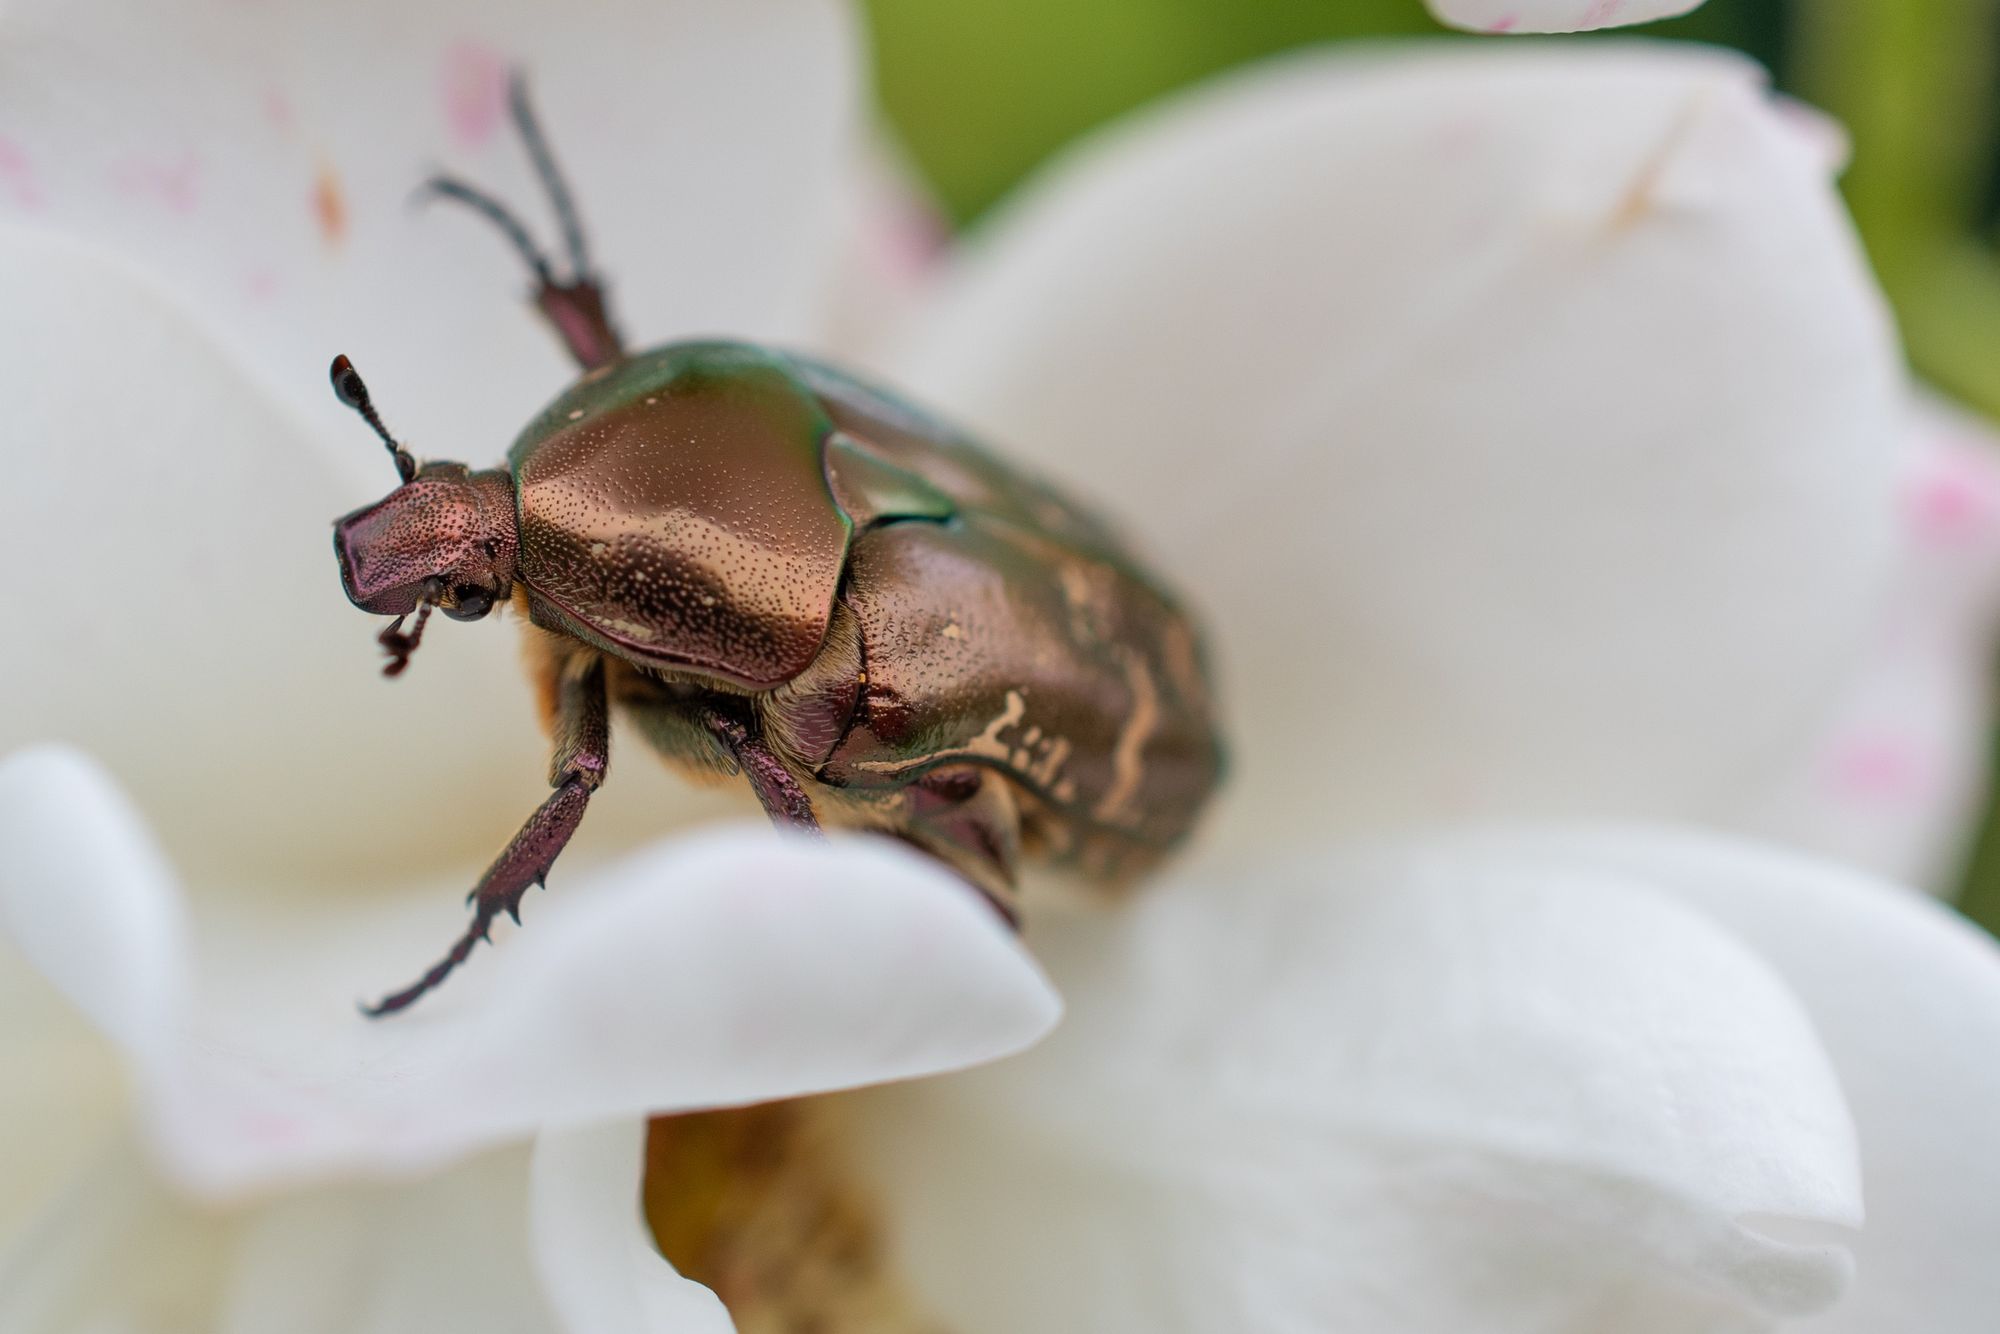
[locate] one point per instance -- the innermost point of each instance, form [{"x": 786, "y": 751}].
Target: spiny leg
[
  {"x": 783, "y": 799},
  {"x": 582, "y": 748},
  {"x": 574, "y": 305}
]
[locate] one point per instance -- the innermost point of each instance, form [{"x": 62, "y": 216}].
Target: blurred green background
[{"x": 981, "y": 91}]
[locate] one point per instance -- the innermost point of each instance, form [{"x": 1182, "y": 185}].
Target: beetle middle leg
[
  {"x": 575, "y": 304},
  {"x": 709, "y": 733},
  {"x": 582, "y": 730},
  {"x": 780, "y": 793}
]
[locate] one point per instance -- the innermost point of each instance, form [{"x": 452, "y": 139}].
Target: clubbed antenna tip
[{"x": 350, "y": 389}]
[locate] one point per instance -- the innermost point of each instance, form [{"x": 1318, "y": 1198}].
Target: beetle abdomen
[
  {"x": 989, "y": 643},
  {"x": 1020, "y": 636}
]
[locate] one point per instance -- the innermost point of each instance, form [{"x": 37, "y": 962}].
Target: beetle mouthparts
[{"x": 400, "y": 646}]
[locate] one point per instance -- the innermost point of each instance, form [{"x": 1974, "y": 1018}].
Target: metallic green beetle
[{"x": 775, "y": 569}]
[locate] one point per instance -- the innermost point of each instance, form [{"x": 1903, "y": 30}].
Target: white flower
[
  {"x": 1512, "y": 16},
  {"x": 1531, "y": 429},
  {"x": 1576, "y": 436},
  {"x": 708, "y": 972},
  {"x": 1525, "y": 423},
  {"x": 1899, "y": 770},
  {"x": 209, "y": 240},
  {"x": 1561, "y": 1082}
]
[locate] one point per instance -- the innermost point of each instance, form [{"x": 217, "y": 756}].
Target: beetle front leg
[{"x": 582, "y": 749}]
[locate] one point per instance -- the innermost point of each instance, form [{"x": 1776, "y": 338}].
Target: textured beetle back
[
  {"x": 675, "y": 512},
  {"x": 1020, "y": 637},
  {"x": 913, "y": 439}
]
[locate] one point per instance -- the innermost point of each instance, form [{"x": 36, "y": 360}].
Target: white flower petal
[
  {"x": 1509, "y": 16},
  {"x": 1896, "y": 779},
  {"x": 179, "y": 610},
  {"x": 893, "y": 238},
  {"x": 123, "y": 1252},
  {"x": 596, "y": 1257},
  {"x": 721, "y": 969},
  {"x": 450, "y": 1252},
  {"x": 116, "y": 1252},
  {"x": 92, "y": 901},
  {"x": 1395, "y": 1089},
  {"x": 1906, "y": 996},
  {"x": 1512, "y": 412},
  {"x": 98, "y": 929},
  {"x": 252, "y": 168},
  {"x": 63, "y": 1096},
  {"x": 259, "y": 162}
]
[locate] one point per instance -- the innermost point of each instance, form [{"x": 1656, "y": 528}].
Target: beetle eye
[{"x": 472, "y": 602}]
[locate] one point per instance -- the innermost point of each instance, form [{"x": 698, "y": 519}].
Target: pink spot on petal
[
  {"x": 1601, "y": 14},
  {"x": 277, "y": 109},
  {"x": 17, "y": 176},
  {"x": 1955, "y": 493},
  {"x": 475, "y": 92},
  {"x": 909, "y": 238},
  {"x": 176, "y": 183},
  {"x": 1505, "y": 23},
  {"x": 261, "y": 284},
  {"x": 1879, "y": 767},
  {"x": 270, "y": 1128}
]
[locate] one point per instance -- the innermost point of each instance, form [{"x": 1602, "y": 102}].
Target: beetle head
[{"x": 445, "y": 538}]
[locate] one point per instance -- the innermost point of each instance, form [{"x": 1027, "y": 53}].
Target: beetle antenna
[
  {"x": 495, "y": 212},
  {"x": 348, "y": 387},
  {"x": 553, "y": 183},
  {"x": 574, "y": 306},
  {"x": 400, "y": 646}
]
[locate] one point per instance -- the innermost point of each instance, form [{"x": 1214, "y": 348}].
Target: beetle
[{"x": 776, "y": 569}]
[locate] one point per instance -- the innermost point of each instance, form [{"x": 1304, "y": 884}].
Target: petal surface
[
  {"x": 63, "y": 1096},
  {"x": 200, "y": 208},
  {"x": 1510, "y": 412},
  {"x": 122, "y": 1251},
  {"x": 1895, "y": 781},
  {"x": 95, "y": 931},
  {"x": 1906, "y": 996},
  {"x": 114, "y": 1251},
  {"x": 734, "y": 967},
  {"x": 894, "y": 237},
  {"x": 597, "y": 1259},
  {"x": 448, "y": 1252},
  {"x": 259, "y": 163},
  {"x": 1401, "y": 1089},
  {"x": 182, "y": 611},
  {"x": 1511, "y": 16}
]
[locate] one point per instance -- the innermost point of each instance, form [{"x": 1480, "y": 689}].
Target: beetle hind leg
[
  {"x": 969, "y": 818},
  {"x": 575, "y": 305}
]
